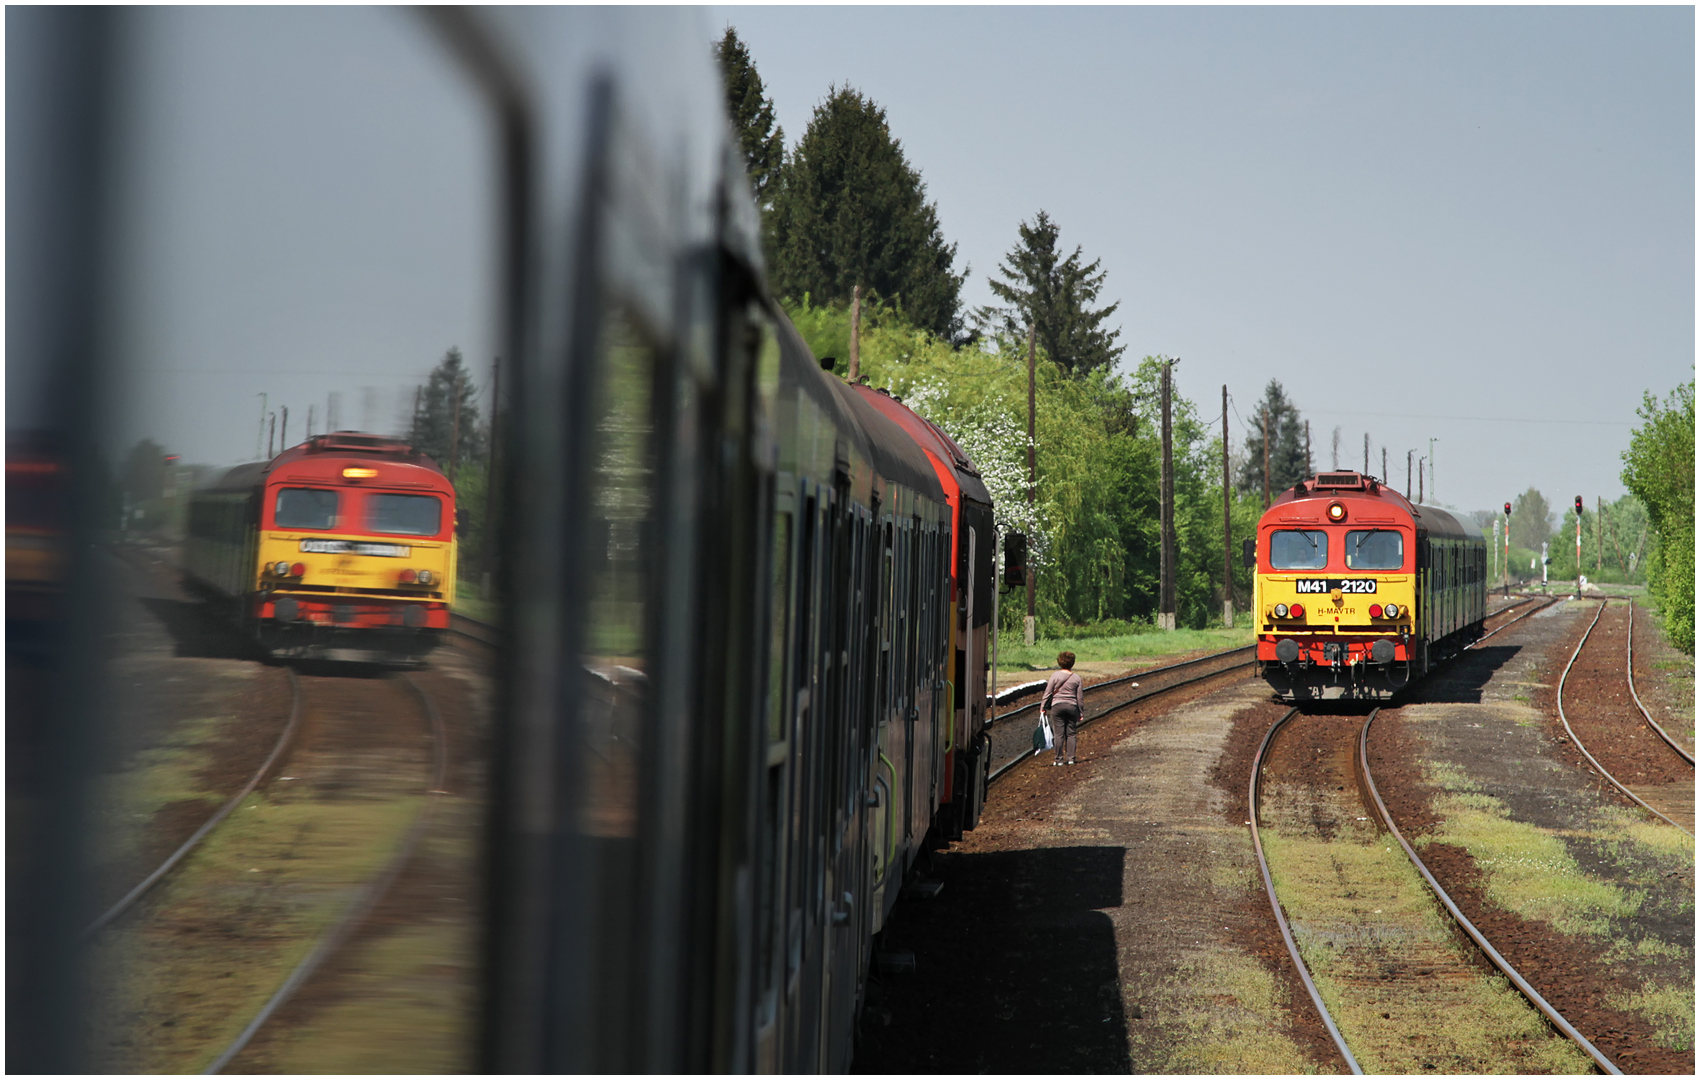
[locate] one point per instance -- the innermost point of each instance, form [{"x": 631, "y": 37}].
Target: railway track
[
  {"x": 328, "y": 898},
  {"x": 1434, "y": 975},
  {"x": 1576, "y": 739}
]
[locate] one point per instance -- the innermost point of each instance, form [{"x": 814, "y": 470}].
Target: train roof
[
  {"x": 1355, "y": 487},
  {"x": 340, "y": 444},
  {"x": 893, "y": 454},
  {"x": 930, "y": 437}
]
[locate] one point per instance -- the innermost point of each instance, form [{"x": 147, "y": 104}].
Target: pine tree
[
  {"x": 851, "y": 211},
  {"x": 762, "y": 140},
  {"x": 1055, "y": 297},
  {"x": 437, "y": 431},
  {"x": 1286, "y": 444}
]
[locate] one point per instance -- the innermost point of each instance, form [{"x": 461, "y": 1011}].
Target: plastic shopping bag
[{"x": 1050, "y": 736}]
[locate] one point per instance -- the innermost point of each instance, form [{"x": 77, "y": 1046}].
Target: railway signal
[
  {"x": 1578, "y": 547},
  {"x": 1505, "y": 585}
]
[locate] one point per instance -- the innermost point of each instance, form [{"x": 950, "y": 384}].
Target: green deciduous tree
[
  {"x": 450, "y": 437},
  {"x": 851, "y": 211},
  {"x": 1659, "y": 468},
  {"x": 1286, "y": 444},
  {"x": 761, "y": 139},
  {"x": 1055, "y": 296},
  {"x": 1532, "y": 522}
]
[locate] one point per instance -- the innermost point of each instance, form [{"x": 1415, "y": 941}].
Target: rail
[
  {"x": 368, "y": 898},
  {"x": 1534, "y": 997},
  {"x": 1275, "y": 902},
  {"x": 1629, "y": 667},
  {"x": 1606, "y": 775}
]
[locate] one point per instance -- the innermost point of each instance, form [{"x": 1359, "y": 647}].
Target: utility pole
[
  {"x": 310, "y": 408},
  {"x": 1408, "y": 454},
  {"x": 1308, "y": 470},
  {"x": 1166, "y": 517},
  {"x": 1384, "y": 464},
  {"x": 1366, "y": 453},
  {"x": 1599, "y": 536},
  {"x": 271, "y": 437},
  {"x": 1032, "y": 478},
  {"x": 1228, "y": 521},
  {"x": 1433, "y": 484},
  {"x": 283, "y": 443},
  {"x": 1419, "y": 482},
  {"x": 1266, "y": 457},
  {"x": 261, "y": 435},
  {"x": 855, "y": 334}
]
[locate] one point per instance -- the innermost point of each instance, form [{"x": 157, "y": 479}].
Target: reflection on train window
[
  {"x": 1374, "y": 549},
  {"x": 617, "y": 561},
  {"x": 404, "y": 515},
  {"x": 305, "y": 508},
  {"x": 1298, "y": 549}
]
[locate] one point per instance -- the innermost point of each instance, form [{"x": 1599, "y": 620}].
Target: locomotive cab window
[
  {"x": 1298, "y": 549},
  {"x": 404, "y": 515},
  {"x": 305, "y": 508},
  {"x": 1374, "y": 549}
]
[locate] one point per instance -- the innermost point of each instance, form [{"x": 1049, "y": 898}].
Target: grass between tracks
[
  {"x": 1535, "y": 873},
  {"x": 186, "y": 974}
]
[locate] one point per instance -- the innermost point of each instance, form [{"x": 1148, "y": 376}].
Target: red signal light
[
  {"x": 1578, "y": 506},
  {"x": 1375, "y": 611},
  {"x": 1297, "y": 611},
  {"x": 1507, "y": 509},
  {"x": 408, "y": 577},
  {"x": 298, "y": 570}
]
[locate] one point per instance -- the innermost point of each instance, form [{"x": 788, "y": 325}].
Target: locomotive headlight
[
  {"x": 1297, "y": 611},
  {"x": 424, "y": 577},
  {"x": 281, "y": 569},
  {"x": 1375, "y": 611},
  {"x": 1280, "y": 611},
  {"x": 298, "y": 570},
  {"x": 1391, "y": 610},
  {"x": 1336, "y": 512}
]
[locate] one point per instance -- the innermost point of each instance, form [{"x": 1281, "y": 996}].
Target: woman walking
[{"x": 1063, "y": 703}]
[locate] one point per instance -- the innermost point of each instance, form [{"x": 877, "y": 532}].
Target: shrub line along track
[
  {"x": 1000, "y": 770},
  {"x": 1601, "y": 769},
  {"x": 283, "y": 742},
  {"x": 1629, "y": 667},
  {"x": 363, "y": 903}
]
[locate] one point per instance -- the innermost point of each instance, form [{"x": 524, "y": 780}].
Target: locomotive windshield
[
  {"x": 1374, "y": 549},
  {"x": 1298, "y": 549},
  {"x": 406, "y": 515},
  {"x": 305, "y": 508}
]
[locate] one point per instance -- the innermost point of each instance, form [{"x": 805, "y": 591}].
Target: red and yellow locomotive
[
  {"x": 345, "y": 542},
  {"x": 1360, "y": 591}
]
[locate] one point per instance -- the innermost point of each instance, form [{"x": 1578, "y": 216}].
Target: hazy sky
[{"x": 1470, "y": 224}]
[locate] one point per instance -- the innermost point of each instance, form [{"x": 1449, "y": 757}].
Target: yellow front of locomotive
[
  {"x": 356, "y": 555},
  {"x": 1335, "y": 594}
]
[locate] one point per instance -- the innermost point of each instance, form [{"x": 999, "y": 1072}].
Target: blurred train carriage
[
  {"x": 1358, "y": 590},
  {"x": 741, "y": 682},
  {"x": 343, "y": 545}
]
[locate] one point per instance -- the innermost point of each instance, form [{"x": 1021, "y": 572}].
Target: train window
[
  {"x": 1298, "y": 549},
  {"x": 1374, "y": 549},
  {"x": 305, "y": 508},
  {"x": 779, "y": 626},
  {"x": 404, "y": 515}
]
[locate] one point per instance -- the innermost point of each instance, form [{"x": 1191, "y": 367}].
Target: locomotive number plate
[
  {"x": 1328, "y": 585},
  {"x": 355, "y": 547}
]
